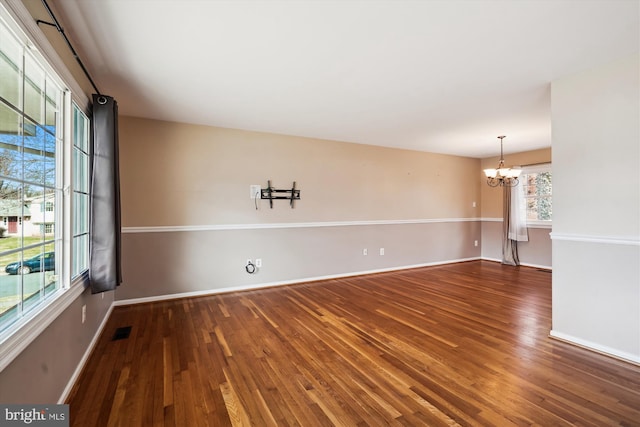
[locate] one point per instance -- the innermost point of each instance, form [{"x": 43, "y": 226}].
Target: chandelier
[{"x": 502, "y": 176}]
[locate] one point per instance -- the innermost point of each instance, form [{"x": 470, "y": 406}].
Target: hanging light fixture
[{"x": 502, "y": 176}]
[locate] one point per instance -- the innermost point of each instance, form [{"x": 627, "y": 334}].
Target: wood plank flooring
[{"x": 461, "y": 344}]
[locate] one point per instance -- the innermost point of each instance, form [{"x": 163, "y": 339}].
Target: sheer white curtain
[
  {"x": 518, "y": 214},
  {"x": 514, "y": 223}
]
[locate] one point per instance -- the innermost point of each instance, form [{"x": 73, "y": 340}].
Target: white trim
[
  {"x": 224, "y": 227},
  {"x": 220, "y": 227},
  {"x": 280, "y": 283},
  {"x": 32, "y": 325},
  {"x": 85, "y": 357},
  {"x": 545, "y": 267},
  {"x": 530, "y": 224},
  {"x": 611, "y": 240},
  {"x": 598, "y": 348},
  {"x": 539, "y": 224},
  {"x": 524, "y": 264}
]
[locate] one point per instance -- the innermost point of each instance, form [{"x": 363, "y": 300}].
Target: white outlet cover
[{"x": 254, "y": 191}]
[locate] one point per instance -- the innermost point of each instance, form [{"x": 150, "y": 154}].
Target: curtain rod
[{"x": 61, "y": 31}]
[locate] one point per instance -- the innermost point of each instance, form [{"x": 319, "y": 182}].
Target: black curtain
[{"x": 105, "y": 272}]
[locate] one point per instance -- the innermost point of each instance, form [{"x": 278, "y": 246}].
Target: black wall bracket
[{"x": 272, "y": 194}]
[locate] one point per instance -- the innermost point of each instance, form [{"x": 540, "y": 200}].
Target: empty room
[{"x": 319, "y": 212}]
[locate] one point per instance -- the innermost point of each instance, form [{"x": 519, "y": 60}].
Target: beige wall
[
  {"x": 181, "y": 174},
  {"x": 184, "y": 176},
  {"x": 43, "y": 370}
]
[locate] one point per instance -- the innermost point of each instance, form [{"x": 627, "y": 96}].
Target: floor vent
[{"x": 121, "y": 333}]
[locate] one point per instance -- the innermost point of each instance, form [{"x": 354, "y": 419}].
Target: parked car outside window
[{"x": 41, "y": 262}]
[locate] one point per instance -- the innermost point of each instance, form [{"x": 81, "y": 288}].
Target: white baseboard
[
  {"x": 524, "y": 264},
  {"x": 544, "y": 267},
  {"x": 598, "y": 348},
  {"x": 85, "y": 357},
  {"x": 279, "y": 283}
]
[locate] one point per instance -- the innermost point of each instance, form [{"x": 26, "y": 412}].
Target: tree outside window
[{"x": 538, "y": 191}]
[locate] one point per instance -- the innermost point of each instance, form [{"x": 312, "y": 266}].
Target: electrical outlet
[
  {"x": 473, "y": 205},
  {"x": 258, "y": 262},
  {"x": 254, "y": 191},
  {"x": 475, "y": 243},
  {"x": 365, "y": 251},
  {"x": 84, "y": 313},
  {"x": 381, "y": 251}
]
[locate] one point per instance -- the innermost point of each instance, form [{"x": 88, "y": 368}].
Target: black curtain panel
[{"x": 105, "y": 272}]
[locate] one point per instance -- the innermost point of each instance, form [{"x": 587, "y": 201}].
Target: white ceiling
[{"x": 441, "y": 76}]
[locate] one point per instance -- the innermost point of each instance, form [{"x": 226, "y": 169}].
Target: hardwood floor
[{"x": 460, "y": 344}]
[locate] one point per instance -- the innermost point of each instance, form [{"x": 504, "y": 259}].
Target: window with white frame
[
  {"x": 34, "y": 106},
  {"x": 537, "y": 187},
  {"x": 80, "y": 257}
]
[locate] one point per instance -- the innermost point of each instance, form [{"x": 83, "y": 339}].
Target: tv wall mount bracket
[{"x": 272, "y": 194}]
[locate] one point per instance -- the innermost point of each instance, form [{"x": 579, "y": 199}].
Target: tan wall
[
  {"x": 536, "y": 252},
  {"x": 168, "y": 263},
  {"x": 181, "y": 174},
  {"x": 41, "y": 372}
]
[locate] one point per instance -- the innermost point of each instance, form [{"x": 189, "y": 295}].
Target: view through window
[
  {"x": 80, "y": 192},
  {"x": 536, "y": 181},
  {"x": 31, "y": 141}
]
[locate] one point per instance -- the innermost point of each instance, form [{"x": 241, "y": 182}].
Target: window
[
  {"x": 38, "y": 161},
  {"x": 80, "y": 257},
  {"x": 31, "y": 139},
  {"x": 537, "y": 187}
]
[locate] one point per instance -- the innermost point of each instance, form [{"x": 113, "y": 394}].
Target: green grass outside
[
  {"x": 13, "y": 242},
  {"x": 9, "y": 285}
]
